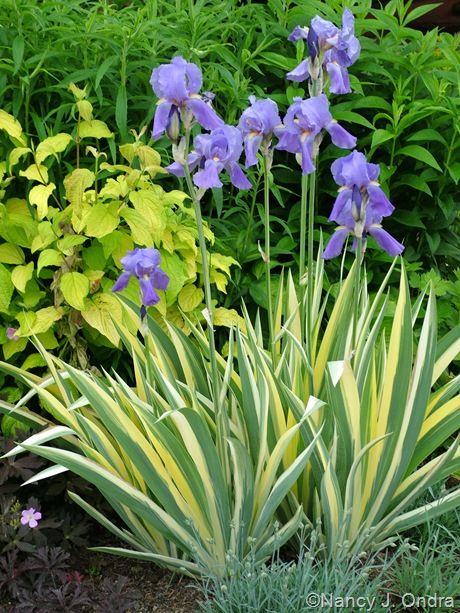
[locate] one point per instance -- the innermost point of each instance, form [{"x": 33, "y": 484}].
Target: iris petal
[
  {"x": 335, "y": 244},
  {"x": 204, "y": 114},
  {"x": 385, "y": 240}
]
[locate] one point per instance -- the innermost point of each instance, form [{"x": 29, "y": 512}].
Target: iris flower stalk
[
  {"x": 257, "y": 124},
  {"x": 221, "y": 417}
]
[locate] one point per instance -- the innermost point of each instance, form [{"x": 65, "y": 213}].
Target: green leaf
[
  {"x": 121, "y": 110},
  {"x": 17, "y": 51},
  {"x": 380, "y": 136},
  {"x": 427, "y": 134},
  {"x": 190, "y": 297},
  {"x": 94, "y": 129},
  {"x": 38, "y": 196},
  {"x": 49, "y": 257},
  {"x": 419, "y": 153},
  {"x": 6, "y": 289},
  {"x": 11, "y": 254},
  {"x": 52, "y": 146},
  {"x": 75, "y": 287},
  {"x": 21, "y": 275}
]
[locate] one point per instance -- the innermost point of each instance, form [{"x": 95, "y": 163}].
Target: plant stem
[
  {"x": 359, "y": 257},
  {"x": 310, "y": 256},
  {"x": 303, "y": 225},
  {"x": 221, "y": 417},
  {"x": 267, "y": 251}
]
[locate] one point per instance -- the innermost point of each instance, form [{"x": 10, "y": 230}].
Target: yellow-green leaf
[
  {"x": 37, "y": 322},
  {"x": 190, "y": 297},
  {"x": 21, "y": 275},
  {"x": 67, "y": 244},
  {"x": 44, "y": 237},
  {"x": 35, "y": 172},
  {"x": 16, "y": 154},
  {"x": 38, "y": 196},
  {"x": 52, "y": 146},
  {"x": 94, "y": 129},
  {"x": 75, "y": 287},
  {"x": 11, "y": 126},
  {"x": 12, "y": 347},
  {"x": 102, "y": 219},
  {"x": 85, "y": 108},
  {"x": 76, "y": 183},
  {"x": 11, "y": 254},
  {"x": 223, "y": 262},
  {"x": 79, "y": 94},
  {"x": 100, "y": 313},
  {"x": 49, "y": 257},
  {"x": 6, "y": 289},
  {"x": 228, "y": 318}
]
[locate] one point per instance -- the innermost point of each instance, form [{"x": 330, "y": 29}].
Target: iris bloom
[
  {"x": 257, "y": 124},
  {"x": 144, "y": 264},
  {"x": 360, "y": 205},
  {"x": 220, "y": 150},
  {"x": 30, "y": 517},
  {"x": 11, "y": 334},
  {"x": 302, "y": 130},
  {"x": 329, "y": 47},
  {"x": 177, "y": 85}
]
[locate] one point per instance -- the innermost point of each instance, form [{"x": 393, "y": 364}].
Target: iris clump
[
  {"x": 144, "y": 264},
  {"x": 360, "y": 205},
  {"x": 257, "y": 124},
  {"x": 330, "y": 48},
  {"x": 303, "y": 127},
  {"x": 177, "y": 85},
  {"x": 212, "y": 153}
]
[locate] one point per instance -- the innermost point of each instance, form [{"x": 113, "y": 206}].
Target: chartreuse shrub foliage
[{"x": 65, "y": 225}]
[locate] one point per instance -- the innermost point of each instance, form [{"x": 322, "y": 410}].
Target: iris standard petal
[
  {"x": 385, "y": 240},
  {"x": 297, "y": 33},
  {"x": 161, "y": 119},
  {"x": 209, "y": 176},
  {"x": 205, "y": 115},
  {"x": 194, "y": 78},
  {"x": 340, "y": 137},
  {"x": 300, "y": 72},
  {"x": 237, "y": 176},
  {"x": 336, "y": 243},
  {"x": 149, "y": 295}
]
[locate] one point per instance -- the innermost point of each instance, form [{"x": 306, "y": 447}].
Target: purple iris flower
[
  {"x": 360, "y": 205},
  {"x": 145, "y": 265},
  {"x": 177, "y": 85},
  {"x": 257, "y": 124},
  {"x": 220, "y": 150},
  {"x": 302, "y": 130},
  {"x": 333, "y": 48}
]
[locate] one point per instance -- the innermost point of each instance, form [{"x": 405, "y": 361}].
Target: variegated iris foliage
[{"x": 357, "y": 460}]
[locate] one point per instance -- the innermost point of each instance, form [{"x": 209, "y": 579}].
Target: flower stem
[
  {"x": 303, "y": 225},
  {"x": 267, "y": 251},
  {"x": 310, "y": 256},
  {"x": 359, "y": 257},
  {"x": 221, "y": 417}
]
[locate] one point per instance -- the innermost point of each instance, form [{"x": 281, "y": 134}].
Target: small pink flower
[
  {"x": 11, "y": 334},
  {"x": 31, "y": 517}
]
